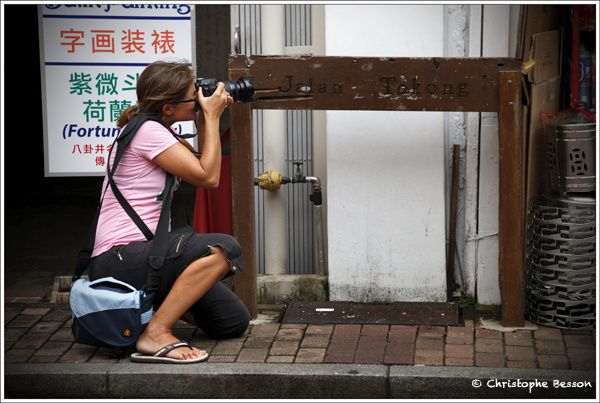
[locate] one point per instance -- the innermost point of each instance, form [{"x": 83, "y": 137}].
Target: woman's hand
[
  {"x": 214, "y": 105},
  {"x": 199, "y": 121}
]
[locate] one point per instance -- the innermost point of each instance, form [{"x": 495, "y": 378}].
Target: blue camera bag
[{"x": 108, "y": 312}]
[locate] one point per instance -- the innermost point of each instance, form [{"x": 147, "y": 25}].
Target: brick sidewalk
[{"x": 38, "y": 332}]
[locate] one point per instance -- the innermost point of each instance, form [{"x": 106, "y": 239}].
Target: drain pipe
[
  {"x": 317, "y": 199},
  {"x": 272, "y": 38},
  {"x": 272, "y": 181}
]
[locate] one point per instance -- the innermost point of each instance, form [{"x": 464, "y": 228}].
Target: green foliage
[{"x": 465, "y": 301}]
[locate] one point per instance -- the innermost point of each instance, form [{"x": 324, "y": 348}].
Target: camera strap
[{"x": 186, "y": 135}]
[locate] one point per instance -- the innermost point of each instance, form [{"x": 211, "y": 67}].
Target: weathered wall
[
  {"x": 496, "y": 21},
  {"x": 386, "y": 169}
]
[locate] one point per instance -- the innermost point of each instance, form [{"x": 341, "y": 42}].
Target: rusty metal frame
[{"x": 401, "y": 84}]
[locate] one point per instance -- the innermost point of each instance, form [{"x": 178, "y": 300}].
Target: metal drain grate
[{"x": 397, "y": 313}]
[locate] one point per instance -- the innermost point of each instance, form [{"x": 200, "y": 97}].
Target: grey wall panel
[
  {"x": 248, "y": 18},
  {"x": 300, "y": 209},
  {"x": 299, "y": 142},
  {"x": 299, "y": 149}
]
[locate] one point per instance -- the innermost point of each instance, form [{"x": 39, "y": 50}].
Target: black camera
[{"x": 241, "y": 90}]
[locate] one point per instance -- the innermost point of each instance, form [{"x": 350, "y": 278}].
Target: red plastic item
[
  {"x": 587, "y": 17},
  {"x": 574, "y": 55},
  {"x": 571, "y": 115},
  {"x": 212, "y": 211}
]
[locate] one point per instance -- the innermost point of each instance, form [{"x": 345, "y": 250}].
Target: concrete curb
[
  {"x": 489, "y": 383},
  {"x": 287, "y": 381}
]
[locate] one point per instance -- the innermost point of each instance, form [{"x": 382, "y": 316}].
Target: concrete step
[{"x": 290, "y": 381}]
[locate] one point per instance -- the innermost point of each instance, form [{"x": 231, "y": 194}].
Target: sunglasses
[{"x": 183, "y": 101}]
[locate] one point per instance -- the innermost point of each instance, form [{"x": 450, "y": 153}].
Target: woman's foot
[{"x": 153, "y": 340}]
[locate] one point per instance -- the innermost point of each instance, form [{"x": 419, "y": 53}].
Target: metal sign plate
[{"x": 367, "y": 83}]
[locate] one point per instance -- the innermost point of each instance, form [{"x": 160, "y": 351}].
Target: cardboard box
[
  {"x": 544, "y": 97},
  {"x": 534, "y": 19},
  {"x": 545, "y": 51}
]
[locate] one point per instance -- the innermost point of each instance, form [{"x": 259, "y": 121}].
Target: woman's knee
[
  {"x": 239, "y": 324},
  {"x": 234, "y": 331},
  {"x": 231, "y": 332},
  {"x": 244, "y": 320},
  {"x": 228, "y": 243},
  {"x": 236, "y": 324}
]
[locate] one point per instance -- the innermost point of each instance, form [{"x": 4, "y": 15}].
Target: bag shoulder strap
[
  {"x": 158, "y": 250},
  {"x": 122, "y": 142}
]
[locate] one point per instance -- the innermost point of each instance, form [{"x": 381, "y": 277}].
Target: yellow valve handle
[
  {"x": 527, "y": 66},
  {"x": 270, "y": 180}
]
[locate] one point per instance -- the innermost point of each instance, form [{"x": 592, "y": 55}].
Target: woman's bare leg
[{"x": 192, "y": 283}]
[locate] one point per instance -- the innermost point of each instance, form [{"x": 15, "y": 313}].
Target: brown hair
[{"x": 159, "y": 83}]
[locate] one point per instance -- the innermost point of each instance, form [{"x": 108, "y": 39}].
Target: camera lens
[{"x": 241, "y": 90}]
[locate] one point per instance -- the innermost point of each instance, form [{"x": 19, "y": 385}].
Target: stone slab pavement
[{"x": 273, "y": 360}]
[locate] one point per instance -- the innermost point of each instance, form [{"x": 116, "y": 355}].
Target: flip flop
[{"x": 160, "y": 355}]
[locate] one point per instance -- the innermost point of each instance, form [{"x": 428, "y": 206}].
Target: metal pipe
[
  {"x": 316, "y": 198},
  {"x": 320, "y": 265},
  {"x": 314, "y": 180},
  {"x": 272, "y": 180}
]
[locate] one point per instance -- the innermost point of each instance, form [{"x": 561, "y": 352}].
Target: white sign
[{"x": 92, "y": 55}]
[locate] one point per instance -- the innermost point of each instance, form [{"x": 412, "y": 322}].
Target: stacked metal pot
[{"x": 561, "y": 232}]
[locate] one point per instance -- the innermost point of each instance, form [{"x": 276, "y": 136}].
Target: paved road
[{"x": 303, "y": 361}]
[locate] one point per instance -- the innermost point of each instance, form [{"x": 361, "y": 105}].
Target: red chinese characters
[
  {"x": 131, "y": 40},
  {"x": 163, "y": 41},
  {"x": 103, "y": 41},
  {"x": 91, "y": 149},
  {"x": 74, "y": 37}
]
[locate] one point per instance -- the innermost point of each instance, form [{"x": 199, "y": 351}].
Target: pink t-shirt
[{"x": 140, "y": 181}]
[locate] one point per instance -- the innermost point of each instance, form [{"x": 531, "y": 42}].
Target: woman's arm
[
  {"x": 188, "y": 145},
  {"x": 205, "y": 170}
]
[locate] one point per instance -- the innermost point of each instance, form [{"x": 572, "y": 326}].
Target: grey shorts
[{"x": 129, "y": 263}]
